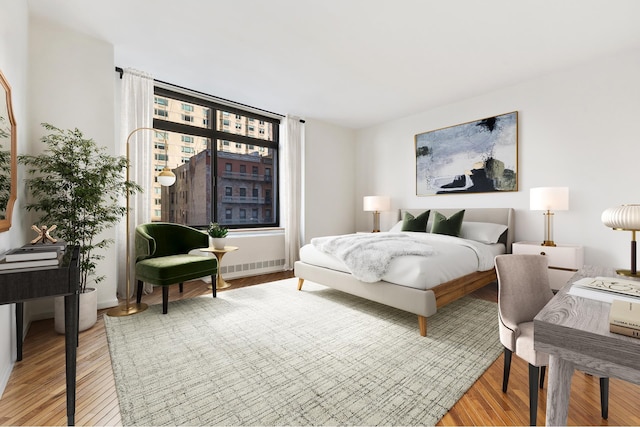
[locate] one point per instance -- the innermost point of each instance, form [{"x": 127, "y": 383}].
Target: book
[
  {"x": 606, "y": 289},
  {"x": 4, "y": 265},
  {"x": 617, "y": 329},
  {"x": 625, "y": 314},
  {"x": 32, "y": 253}
]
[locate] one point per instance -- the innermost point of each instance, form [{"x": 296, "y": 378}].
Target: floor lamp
[{"x": 165, "y": 178}]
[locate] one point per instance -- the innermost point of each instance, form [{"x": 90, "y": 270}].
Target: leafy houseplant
[
  {"x": 218, "y": 233},
  {"x": 77, "y": 186}
]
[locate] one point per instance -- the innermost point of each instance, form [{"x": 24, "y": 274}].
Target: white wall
[
  {"x": 71, "y": 85},
  {"x": 577, "y": 128},
  {"x": 329, "y": 199},
  {"x": 13, "y": 63}
]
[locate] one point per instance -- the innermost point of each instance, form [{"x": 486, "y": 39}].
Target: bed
[{"x": 420, "y": 284}]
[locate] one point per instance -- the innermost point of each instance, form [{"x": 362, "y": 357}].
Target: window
[
  {"x": 161, "y": 113},
  {"x": 211, "y": 159}
]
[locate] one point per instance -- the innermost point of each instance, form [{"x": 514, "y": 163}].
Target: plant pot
[
  {"x": 219, "y": 242},
  {"x": 88, "y": 311}
]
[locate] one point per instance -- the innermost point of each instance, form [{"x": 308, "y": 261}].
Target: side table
[
  {"x": 564, "y": 260},
  {"x": 219, "y": 253}
]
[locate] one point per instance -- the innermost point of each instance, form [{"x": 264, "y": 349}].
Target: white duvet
[{"x": 446, "y": 259}]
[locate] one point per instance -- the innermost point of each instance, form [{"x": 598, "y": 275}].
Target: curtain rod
[{"x": 120, "y": 71}]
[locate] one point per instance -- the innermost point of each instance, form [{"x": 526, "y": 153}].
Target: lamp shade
[
  {"x": 166, "y": 178},
  {"x": 549, "y": 199},
  {"x": 376, "y": 203},
  {"x": 625, "y": 217}
]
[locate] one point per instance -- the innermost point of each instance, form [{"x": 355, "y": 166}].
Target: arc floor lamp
[{"x": 166, "y": 178}]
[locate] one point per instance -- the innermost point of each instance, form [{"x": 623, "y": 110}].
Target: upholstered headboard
[{"x": 505, "y": 216}]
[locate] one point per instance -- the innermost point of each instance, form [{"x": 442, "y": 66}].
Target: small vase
[
  {"x": 219, "y": 242},
  {"x": 88, "y": 311}
]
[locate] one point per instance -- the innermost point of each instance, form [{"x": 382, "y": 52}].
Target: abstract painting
[{"x": 475, "y": 157}]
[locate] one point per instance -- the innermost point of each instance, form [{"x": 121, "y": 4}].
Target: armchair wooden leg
[
  {"x": 534, "y": 375},
  {"x": 604, "y": 397},
  {"x": 213, "y": 285},
  {"x": 543, "y": 369},
  {"x": 165, "y": 299},
  {"x": 138, "y": 292},
  {"x": 507, "y": 368}
]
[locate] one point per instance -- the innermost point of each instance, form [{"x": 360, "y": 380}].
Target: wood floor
[{"x": 35, "y": 394}]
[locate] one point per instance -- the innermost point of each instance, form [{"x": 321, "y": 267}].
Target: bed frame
[{"x": 424, "y": 303}]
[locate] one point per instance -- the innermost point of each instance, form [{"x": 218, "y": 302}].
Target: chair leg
[
  {"x": 165, "y": 299},
  {"x": 534, "y": 375},
  {"x": 543, "y": 369},
  {"x": 139, "y": 292},
  {"x": 604, "y": 397},
  {"x": 213, "y": 285},
  {"x": 181, "y": 286},
  {"x": 507, "y": 368}
]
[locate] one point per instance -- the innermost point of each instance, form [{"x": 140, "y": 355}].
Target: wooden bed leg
[
  {"x": 422, "y": 323},
  {"x": 300, "y": 282}
]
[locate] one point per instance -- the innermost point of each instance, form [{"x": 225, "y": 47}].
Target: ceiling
[{"x": 353, "y": 63}]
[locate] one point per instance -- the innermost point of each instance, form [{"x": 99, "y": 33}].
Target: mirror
[{"x": 8, "y": 168}]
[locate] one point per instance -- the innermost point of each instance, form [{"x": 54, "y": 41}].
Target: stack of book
[
  {"x": 29, "y": 256},
  {"x": 624, "y": 318}
]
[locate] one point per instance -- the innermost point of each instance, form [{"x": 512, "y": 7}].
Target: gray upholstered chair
[
  {"x": 162, "y": 257},
  {"x": 523, "y": 290}
]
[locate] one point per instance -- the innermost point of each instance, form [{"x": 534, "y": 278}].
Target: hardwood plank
[{"x": 35, "y": 393}]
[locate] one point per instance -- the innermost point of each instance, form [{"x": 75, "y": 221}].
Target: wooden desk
[
  {"x": 575, "y": 333},
  {"x": 17, "y": 286}
]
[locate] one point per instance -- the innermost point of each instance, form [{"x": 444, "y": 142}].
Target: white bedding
[{"x": 452, "y": 257}]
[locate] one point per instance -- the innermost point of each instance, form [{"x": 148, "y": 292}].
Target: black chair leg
[
  {"x": 543, "y": 369},
  {"x": 165, "y": 299},
  {"x": 507, "y": 368},
  {"x": 138, "y": 292},
  {"x": 181, "y": 286},
  {"x": 604, "y": 397},
  {"x": 213, "y": 285},
  {"x": 534, "y": 375}
]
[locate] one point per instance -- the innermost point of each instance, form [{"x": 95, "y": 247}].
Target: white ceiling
[{"x": 354, "y": 63}]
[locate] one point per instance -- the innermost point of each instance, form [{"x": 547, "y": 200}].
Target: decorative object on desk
[
  {"x": 548, "y": 199},
  {"x": 474, "y": 157},
  {"x": 218, "y": 234},
  {"x": 606, "y": 289},
  {"x": 165, "y": 178},
  {"x": 376, "y": 204},
  {"x": 31, "y": 253},
  {"x": 73, "y": 171},
  {"x": 626, "y": 218},
  {"x": 43, "y": 234}
]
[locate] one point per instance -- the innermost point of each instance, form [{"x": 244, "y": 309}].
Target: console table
[
  {"x": 19, "y": 285},
  {"x": 574, "y": 331}
]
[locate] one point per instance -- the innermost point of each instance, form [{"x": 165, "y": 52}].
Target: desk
[
  {"x": 219, "y": 253},
  {"x": 575, "y": 333},
  {"x": 17, "y": 286}
]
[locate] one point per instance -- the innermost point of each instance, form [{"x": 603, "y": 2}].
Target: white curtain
[
  {"x": 136, "y": 112},
  {"x": 292, "y": 187}
]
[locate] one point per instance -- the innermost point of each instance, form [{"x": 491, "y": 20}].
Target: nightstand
[{"x": 564, "y": 260}]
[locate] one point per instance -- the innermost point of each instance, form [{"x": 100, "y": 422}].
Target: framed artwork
[{"x": 474, "y": 157}]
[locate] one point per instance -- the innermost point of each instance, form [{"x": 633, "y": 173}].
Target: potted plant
[
  {"x": 218, "y": 234},
  {"x": 77, "y": 186}
]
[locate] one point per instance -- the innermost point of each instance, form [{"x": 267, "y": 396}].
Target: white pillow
[
  {"x": 396, "y": 228},
  {"x": 484, "y": 232}
]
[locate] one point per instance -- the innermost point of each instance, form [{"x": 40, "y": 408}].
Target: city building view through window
[{"x": 224, "y": 159}]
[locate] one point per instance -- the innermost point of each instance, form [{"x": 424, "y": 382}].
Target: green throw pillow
[
  {"x": 444, "y": 225},
  {"x": 419, "y": 223}
]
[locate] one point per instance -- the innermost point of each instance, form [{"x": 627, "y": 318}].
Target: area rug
[{"x": 271, "y": 355}]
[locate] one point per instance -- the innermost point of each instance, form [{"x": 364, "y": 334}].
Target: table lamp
[
  {"x": 548, "y": 199},
  {"x": 626, "y": 218},
  {"x": 376, "y": 204}
]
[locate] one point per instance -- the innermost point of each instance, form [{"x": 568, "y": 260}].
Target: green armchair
[{"x": 162, "y": 257}]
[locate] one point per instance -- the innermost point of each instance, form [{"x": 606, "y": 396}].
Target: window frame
[{"x": 214, "y": 135}]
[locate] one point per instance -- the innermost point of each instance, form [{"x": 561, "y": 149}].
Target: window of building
[
  {"x": 206, "y": 182},
  {"x": 161, "y": 113},
  {"x": 160, "y": 101}
]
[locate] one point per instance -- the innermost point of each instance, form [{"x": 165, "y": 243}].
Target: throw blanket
[{"x": 368, "y": 256}]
